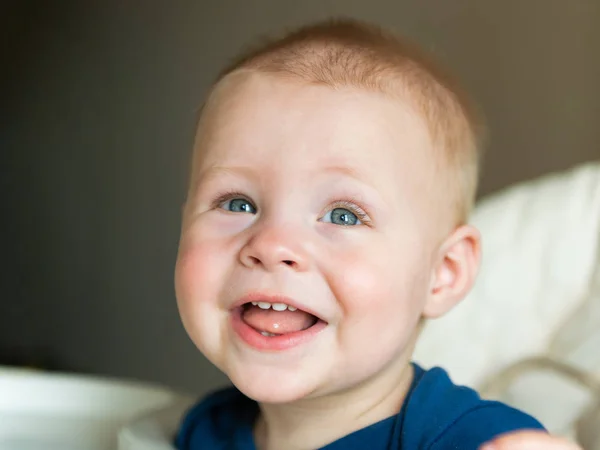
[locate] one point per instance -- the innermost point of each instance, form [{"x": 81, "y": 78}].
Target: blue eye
[
  {"x": 239, "y": 205},
  {"x": 342, "y": 216}
]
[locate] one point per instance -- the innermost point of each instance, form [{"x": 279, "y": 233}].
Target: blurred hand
[{"x": 529, "y": 440}]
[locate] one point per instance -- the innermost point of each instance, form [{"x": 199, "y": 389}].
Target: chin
[{"x": 271, "y": 387}]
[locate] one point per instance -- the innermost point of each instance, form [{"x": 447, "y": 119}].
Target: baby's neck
[{"x": 313, "y": 423}]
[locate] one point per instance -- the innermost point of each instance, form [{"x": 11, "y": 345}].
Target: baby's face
[{"x": 313, "y": 198}]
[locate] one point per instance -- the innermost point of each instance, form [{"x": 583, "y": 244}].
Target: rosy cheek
[
  {"x": 197, "y": 274},
  {"x": 364, "y": 285},
  {"x": 352, "y": 276},
  {"x": 205, "y": 250},
  {"x": 372, "y": 281}
]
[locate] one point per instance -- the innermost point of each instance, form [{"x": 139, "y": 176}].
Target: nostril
[{"x": 288, "y": 262}]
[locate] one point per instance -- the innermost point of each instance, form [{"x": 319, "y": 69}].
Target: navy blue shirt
[{"x": 436, "y": 415}]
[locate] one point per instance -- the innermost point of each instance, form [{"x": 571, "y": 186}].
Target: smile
[{"x": 274, "y": 325}]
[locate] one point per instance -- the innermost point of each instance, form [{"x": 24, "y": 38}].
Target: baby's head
[{"x": 332, "y": 176}]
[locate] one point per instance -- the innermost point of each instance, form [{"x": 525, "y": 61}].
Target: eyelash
[
  {"x": 226, "y": 196},
  {"x": 350, "y": 205},
  {"x": 353, "y": 207}
]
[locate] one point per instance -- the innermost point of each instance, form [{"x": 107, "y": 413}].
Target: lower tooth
[{"x": 266, "y": 333}]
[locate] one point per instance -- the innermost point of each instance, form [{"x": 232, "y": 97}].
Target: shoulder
[
  {"x": 215, "y": 420},
  {"x": 440, "y": 415}
]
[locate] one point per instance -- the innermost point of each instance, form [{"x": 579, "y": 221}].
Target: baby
[{"x": 333, "y": 173}]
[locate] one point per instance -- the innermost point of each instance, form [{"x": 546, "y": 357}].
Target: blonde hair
[{"x": 346, "y": 52}]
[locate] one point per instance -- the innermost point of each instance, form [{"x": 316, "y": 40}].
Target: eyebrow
[
  {"x": 217, "y": 171},
  {"x": 351, "y": 172},
  {"x": 249, "y": 172}
]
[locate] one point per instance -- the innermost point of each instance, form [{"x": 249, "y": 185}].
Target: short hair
[{"x": 347, "y": 52}]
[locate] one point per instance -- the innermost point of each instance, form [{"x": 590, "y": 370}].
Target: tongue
[{"x": 277, "y": 322}]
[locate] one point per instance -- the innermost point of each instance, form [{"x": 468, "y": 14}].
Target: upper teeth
[{"x": 275, "y": 306}]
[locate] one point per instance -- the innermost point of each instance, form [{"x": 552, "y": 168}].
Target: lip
[
  {"x": 272, "y": 343},
  {"x": 270, "y": 298},
  {"x": 256, "y": 340}
]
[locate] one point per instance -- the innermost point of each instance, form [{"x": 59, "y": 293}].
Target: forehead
[{"x": 257, "y": 119}]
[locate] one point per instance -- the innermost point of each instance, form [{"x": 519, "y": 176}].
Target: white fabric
[
  {"x": 577, "y": 341},
  {"x": 540, "y": 252}
]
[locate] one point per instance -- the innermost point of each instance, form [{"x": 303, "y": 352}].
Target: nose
[{"x": 275, "y": 247}]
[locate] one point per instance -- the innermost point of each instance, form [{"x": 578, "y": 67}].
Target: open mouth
[
  {"x": 276, "y": 319},
  {"x": 275, "y": 326}
]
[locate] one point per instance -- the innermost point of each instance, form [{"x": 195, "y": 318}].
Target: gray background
[{"x": 99, "y": 102}]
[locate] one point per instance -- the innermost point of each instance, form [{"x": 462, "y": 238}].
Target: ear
[{"x": 455, "y": 271}]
